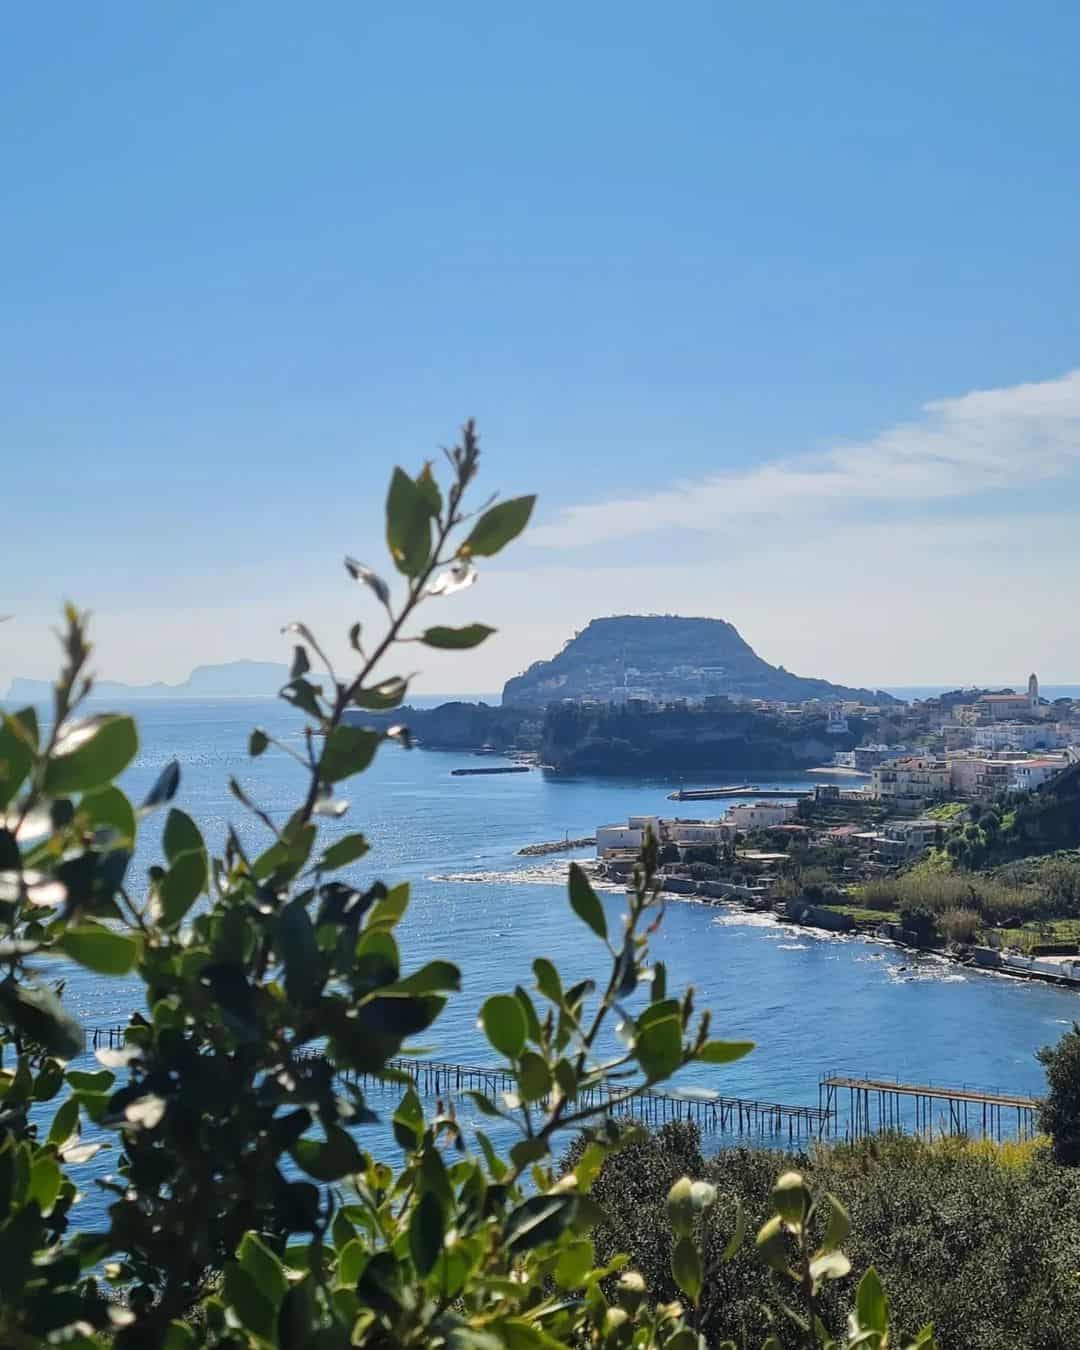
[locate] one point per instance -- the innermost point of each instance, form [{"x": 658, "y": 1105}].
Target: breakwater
[
  {"x": 556, "y": 846},
  {"x": 719, "y": 793}
]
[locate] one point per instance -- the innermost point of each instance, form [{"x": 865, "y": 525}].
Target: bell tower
[{"x": 1033, "y": 690}]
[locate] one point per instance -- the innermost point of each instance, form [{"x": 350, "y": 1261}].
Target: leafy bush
[
  {"x": 246, "y": 1212},
  {"x": 983, "y": 1238},
  {"x": 1059, "y": 1116},
  {"x": 994, "y": 899},
  {"x": 959, "y": 925},
  {"x": 922, "y": 922}
]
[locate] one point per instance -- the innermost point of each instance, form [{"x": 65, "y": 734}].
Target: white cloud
[{"x": 980, "y": 442}]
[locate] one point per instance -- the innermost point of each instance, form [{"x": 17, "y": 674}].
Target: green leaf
[
  {"x": 531, "y": 1019},
  {"x": 257, "y": 742},
  {"x": 109, "y": 808},
  {"x": 165, "y": 787},
  {"x": 770, "y": 1243},
  {"x": 435, "y": 977},
  {"x": 408, "y": 1121},
  {"x": 100, "y": 949},
  {"x": 658, "y": 1047},
  {"x": 503, "y": 1023},
  {"x": 534, "y": 1076},
  {"x": 304, "y": 695},
  {"x": 264, "y": 1267},
  {"x": 498, "y": 526},
  {"x": 178, "y": 1336},
  {"x": 380, "y": 697},
  {"x": 483, "y": 1103},
  {"x": 49, "y": 1081},
  {"x": 180, "y": 887},
  {"x": 38, "y": 1014},
  {"x": 723, "y": 1052},
  {"x": 244, "y": 1297},
  {"x": 64, "y": 1123},
  {"x": 527, "y": 1151},
  {"x": 90, "y": 753},
  {"x": 547, "y": 980},
  {"x": 329, "y": 1161},
  {"x": 585, "y": 902},
  {"x": 686, "y": 1268},
  {"x": 181, "y": 835},
  {"x": 426, "y": 484},
  {"x": 456, "y": 639},
  {"x": 791, "y": 1199},
  {"x": 45, "y": 1178},
  {"x": 736, "y": 1240},
  {"x": 343, "y": 852},
  {"x": 426, "y": 1228},
  {"x": 348, "y": 750},
  {"x": 96, "y": 1080},
  {"x": 288, "y": 855},
  {"x": 408, "y": 524},
  {"x": 838, "y": 1226},
  {"x": 575, "y": 1264},
  {"x": 299, "y": 952},
  {"x": 871, "y": 1305},
  {"x": 359, "y": 572},
  {"x": 351, "y": 1261},
  {"x": 391, "y": 908},
  {"x": 16, "y": 758},
  {"x": 539, "y": 1219}
]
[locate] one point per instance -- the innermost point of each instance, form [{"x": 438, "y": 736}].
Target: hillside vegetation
[{"x": 982, "y": 1239}]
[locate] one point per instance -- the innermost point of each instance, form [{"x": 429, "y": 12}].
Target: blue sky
[{"x": 718, "y": 281}]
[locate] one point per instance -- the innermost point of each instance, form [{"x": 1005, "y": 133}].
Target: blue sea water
[{"x": 811, "y": 1002}]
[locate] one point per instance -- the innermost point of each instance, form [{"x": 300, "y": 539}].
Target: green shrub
[
  {"x": 245, "y": 1211},
  {"x": 984, "y": 1240},
  {"x": 1059, "y": 1116}
]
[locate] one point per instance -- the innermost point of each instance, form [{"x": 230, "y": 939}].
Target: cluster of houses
[
  {"x": 971, "y": 752},
  {"x": 998, "y": 743}
]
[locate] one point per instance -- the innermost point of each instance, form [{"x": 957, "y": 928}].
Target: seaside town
[{"x": 898, "y": 838}]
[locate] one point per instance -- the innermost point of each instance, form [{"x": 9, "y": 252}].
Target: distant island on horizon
[
  {"x": 230, "y": 679},
  {"x": 613, "y": 659}
]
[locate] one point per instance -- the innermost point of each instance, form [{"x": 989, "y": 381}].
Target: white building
[
  {"x": 620, "y": 838},
  {"x": 916, "y": 778},
  {"x": 1027, "y": 774},
  {"x": 702, "y": 833},
  {"x": 1017, "y": 736},
  {"x": 760, "y": 815}
]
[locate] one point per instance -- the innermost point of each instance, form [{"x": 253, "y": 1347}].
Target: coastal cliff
[
  {"x": 618, "y": 740},
  {"x": 614, "y": 739}
]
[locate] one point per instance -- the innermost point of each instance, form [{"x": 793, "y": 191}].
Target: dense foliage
[
  {"x": 984, "y": 1239},
  {"x": 245, "y": 1210},
  {"x": 1059, "y": 1116},
  {"x": 1032, "y": 891}
]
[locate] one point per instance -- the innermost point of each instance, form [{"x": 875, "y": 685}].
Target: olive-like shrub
[{"x": 246, "y": 1211}]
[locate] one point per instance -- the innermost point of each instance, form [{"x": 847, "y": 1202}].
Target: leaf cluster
[{"x": 243, "y": 1203}]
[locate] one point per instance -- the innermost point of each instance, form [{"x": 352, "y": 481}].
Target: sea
[{"x": 811, "y": 1002}]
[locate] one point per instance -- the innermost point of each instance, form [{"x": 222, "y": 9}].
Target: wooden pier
[
  {"x": 877, "y": 1105},
  {"x": 712, "y": 1112},
  {"x": 849, "y": 1105}
]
